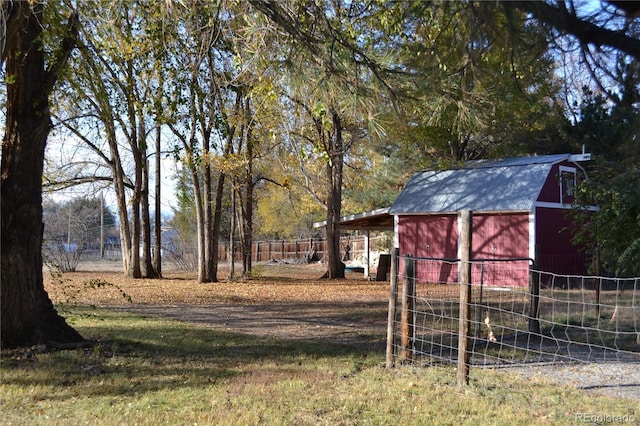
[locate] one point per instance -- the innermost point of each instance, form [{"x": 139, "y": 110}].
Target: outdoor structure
[
  {"x": 374, "y": 220},
  {"x": 520, "y": 212},
  {"x": 519, "y": 207}
]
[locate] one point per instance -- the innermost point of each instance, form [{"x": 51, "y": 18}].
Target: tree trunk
[
  {"x": 217, "y": 219},
  {"x": 157, "y": 252},
  {"x": 139, "y": 158},
  {"x": 145, "y": 220},
  {"x": 334, "y": 199},
  {"x": 136, "y": 231},
  {"x": 232, "y": 230},
  {"x": 148, "y": 270},
  {"x": 217, "y": 212},
  {"x": 27, "y": 314},
  {"x": 121, "y": 197},
  {"x": 200, "y": 223},
  {"x": 247, "y": 218},
  {"x": 247, "y": 207},
  {"x": 208, "y": 216}
]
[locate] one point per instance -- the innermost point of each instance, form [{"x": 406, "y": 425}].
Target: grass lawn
[{"x": 154, "y": 371}]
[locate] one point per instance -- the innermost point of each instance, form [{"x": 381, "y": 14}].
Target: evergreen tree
[{"x": 611, "y": 132}]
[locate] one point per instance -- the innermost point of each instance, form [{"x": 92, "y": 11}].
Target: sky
[{"x": 65, "y": 152}]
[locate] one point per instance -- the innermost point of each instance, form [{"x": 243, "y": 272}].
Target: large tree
[
  {"x": 605, "y": 40},
  {"x": 333, "y": 74},
  {"x": 114, "y": 82},
  {"x": 475, "y": 82},
  {"x": 27, "y": 314},
  {"x": 607, "y": 27},
  {"x": 610, "y": 131},
  {"x": 201, "y": 68},
  {"x": 586, "y": 35}
]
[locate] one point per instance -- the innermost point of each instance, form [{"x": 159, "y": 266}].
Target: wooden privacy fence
[
  {"x": 309, "y": 249},
  {"x": 304, "y": 249}
]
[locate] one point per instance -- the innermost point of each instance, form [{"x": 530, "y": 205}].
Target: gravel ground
[
  {"x": 615, "y": 379},
  {"x": 355, "y": 324}
]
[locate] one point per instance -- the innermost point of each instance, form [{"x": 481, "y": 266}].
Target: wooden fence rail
[{"x": 309, "y": 248}]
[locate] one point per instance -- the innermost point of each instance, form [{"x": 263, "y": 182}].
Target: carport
[{"x": 373, "y": 220}]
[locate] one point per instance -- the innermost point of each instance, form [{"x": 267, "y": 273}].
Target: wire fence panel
[{"x": 519, "y": 316}]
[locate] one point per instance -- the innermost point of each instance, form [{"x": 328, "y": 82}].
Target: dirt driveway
[
  {"x": 353, "y": 324},
  {"x": 286, "y": 301}
]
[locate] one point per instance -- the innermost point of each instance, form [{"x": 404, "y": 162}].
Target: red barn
[{"x": 519, "y": 210}]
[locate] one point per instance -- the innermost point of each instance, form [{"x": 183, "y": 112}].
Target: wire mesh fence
[{"x": 516, "y": 316}]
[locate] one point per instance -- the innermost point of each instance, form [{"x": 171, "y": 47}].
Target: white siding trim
[
  {"x": 396, "y": 231},
  {"x": 459, "y": 250},
  {"x": 549, "y": 205},
  {"x": 532, "y": 235}
]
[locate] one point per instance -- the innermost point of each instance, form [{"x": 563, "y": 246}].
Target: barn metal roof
[{"x": 511, "y": 184}]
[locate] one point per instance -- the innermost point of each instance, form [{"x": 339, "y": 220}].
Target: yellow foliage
[
  {"x": 284, "y": 212},
  {"x": 231, "y": 164}
]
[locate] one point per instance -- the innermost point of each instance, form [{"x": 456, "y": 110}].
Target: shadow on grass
[
  {"x": 135, "y": 354},
  {"x": 356, "y": 324}
]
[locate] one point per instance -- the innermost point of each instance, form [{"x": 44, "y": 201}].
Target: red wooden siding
[
  {"x": 500, "y": 236},
  {"x": 430, "y": 236},
  {"x": 550, "y": 192},
  {"x": 555, "y": 251},
  {"x": 434, "y": 236},
  {"x": 494, "y": 236}
]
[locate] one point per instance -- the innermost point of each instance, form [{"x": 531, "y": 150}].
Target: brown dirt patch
[{"x": 284, "y": 301}]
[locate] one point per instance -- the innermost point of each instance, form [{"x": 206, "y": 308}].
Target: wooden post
[
  {"x": 257, "y": 245},
  {"x": 407, "y": 325},
  {"x": 367, "y": 253},
  {"x": 534, "y": 309},
  {"x": 464, "y": 353},
  {"x": 599, "y": 284},
  {"x": 393, "y": 299}
]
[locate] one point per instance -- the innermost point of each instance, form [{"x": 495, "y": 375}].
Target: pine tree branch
[{"x": 566, "y": 22}]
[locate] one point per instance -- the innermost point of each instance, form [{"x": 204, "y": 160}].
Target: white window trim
[{"x": 571, "y": 170}]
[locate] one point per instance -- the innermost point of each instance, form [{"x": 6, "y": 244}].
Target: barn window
[{"x": 567, "y": 184}]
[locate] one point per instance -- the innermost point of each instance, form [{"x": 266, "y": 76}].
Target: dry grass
[
  {"x": 151, "y": 371},
  {"x": 158, "y": 371}
]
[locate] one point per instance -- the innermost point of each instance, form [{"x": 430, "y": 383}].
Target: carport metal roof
[{"x": 374, "y": 220}]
